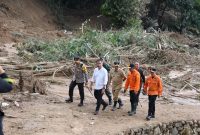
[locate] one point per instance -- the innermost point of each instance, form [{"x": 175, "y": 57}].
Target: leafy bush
[
  {"x": 91, "y": 43},
  {"x": 121, "y": 11}
]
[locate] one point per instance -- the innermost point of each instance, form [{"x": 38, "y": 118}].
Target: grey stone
[
  {"x": 195, "y": 131},
  {"x": 164, "y": 126},
  {"x": 140, "y": 130},
  {"x": 151, "y": 133},
  {"x": 122, "y": 133},
  {"x": 187, "y": 126},
  {"x": 143, "y": 133},
  {"x": 180, "y": 128},
  {"x": 127, "y": 132},
  {"x": 170, "y": 127},
  {"x": 179, "y": 124},
  {"x": 183, "y": 122},
  {"x": 195, "y": 121},
  {"x": 198, "y": 122},
  {"x": 132, "y": 132},
  {"x": 174, "y": 131},
  {"x": 157, "y": 131},
  {"x": 198, "y": 130},
  {"x": 191, "y": 123},
  {"x": 167, "y": 133}
]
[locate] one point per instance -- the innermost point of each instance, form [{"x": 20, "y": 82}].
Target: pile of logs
[{"x": 28, "y": 77}]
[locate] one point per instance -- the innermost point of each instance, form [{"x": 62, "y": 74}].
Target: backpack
[{"x": 106, "y": 66}]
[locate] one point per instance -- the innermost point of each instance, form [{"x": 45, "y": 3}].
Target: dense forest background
[{"x": 179, "y": 15}]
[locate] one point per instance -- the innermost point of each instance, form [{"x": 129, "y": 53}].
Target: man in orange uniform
[
  {"x": 133, "y": 83},
  {"x": 153, "y": 88}
]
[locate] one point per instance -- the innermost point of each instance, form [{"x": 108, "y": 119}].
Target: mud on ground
[{"x": 50, "y": 115}]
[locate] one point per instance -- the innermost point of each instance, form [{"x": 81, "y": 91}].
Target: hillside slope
[{"x": 24, "y": 18}]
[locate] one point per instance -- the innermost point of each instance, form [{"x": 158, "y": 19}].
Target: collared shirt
[
  {"x": 153, "y": 85},
  {"x": 117, "y": 79},
  {"x": 80, "y": 73},
  {"x": 133, "y": 81},
  {"x": 100, "y": 78}
]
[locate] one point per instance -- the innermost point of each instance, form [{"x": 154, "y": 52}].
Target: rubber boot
[
  {"x": 114, "y": 106},
  {"x": 130, "y": 113},
  {"x": 81, "y": 103},
  {"x": 148, "y": 118},
  {"x": 69, "y": 100},
  {"x": 120, "y": 103},
  {"x": 153, "y": 115},
  {"x": 133, "y": 109}
]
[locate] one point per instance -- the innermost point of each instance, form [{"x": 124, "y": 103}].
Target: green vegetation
[
  {"x": 176, "y": 15},
  {"x": 183, "y": 13},
  {"x": 121, "y": 11},
  {"x": 90, "y": 43}
]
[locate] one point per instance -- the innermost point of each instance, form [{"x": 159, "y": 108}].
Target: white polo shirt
[{"x": 100, "y": 78}]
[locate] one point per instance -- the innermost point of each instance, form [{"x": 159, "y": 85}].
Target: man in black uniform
[
  {"x": 142, "y": 79},
  {"x": 5, "y": 86},
  {"x": 79, "y": 78}
]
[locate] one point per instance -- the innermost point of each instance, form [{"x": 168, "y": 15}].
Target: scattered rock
[
  {"x": 174, "y": 131},
  {"x": 4, "y": 104},
  {"x": 16, "y": 103},
  {"x": 178, "y": 124},
  {"x": 91, "y": 123},
  {"x": 157, "y": 131}
]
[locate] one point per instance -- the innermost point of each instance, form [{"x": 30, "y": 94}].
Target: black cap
[
  {"x": 116, "y": 63},
  {"x": 153, "y": 69},
  {"x": 131, "y": 65},
  {"x": 76, "y": 58}
]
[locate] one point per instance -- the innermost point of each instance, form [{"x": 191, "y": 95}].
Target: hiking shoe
[
  {"x": 148, "y": 118},
  {"x": 104, "y": 107},
  {"x": 131, "y": 113},
  {"x": 96, "y": 113},
  {"x": 68, "y": 100},
  {"x": 113, "y": 109},
  {"x": 80, "y": 104},
  {"x": 153, "y": 116},
  {"x": 120, "y": 106}
]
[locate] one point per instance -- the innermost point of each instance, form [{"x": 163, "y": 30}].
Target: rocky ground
[
  {"x": 50, "y": 115},
  {"x": 35, "y": 114}
]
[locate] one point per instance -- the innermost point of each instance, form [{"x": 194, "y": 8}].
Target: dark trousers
[
  {"x": 152, "y": 99},
  {"x": 138, "y": 96},
  {"x": 80, "y": 88},
  {"x": 1, "y": 122},
  {"x": 98, "y": 95},
  {"x": 5, "y": 86},
  {"x": 108, "y": 94},
  {"x": 133, "y": 100},
  {"x": 107, "y": 91}
]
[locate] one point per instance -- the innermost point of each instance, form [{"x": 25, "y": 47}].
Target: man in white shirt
[{"x": 100, "y": 78}]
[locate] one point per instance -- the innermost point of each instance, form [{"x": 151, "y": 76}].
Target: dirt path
[{"x": 50, "y": 115}]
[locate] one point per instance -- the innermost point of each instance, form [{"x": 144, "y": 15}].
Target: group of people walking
[{"x": 102, "y": 77}]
